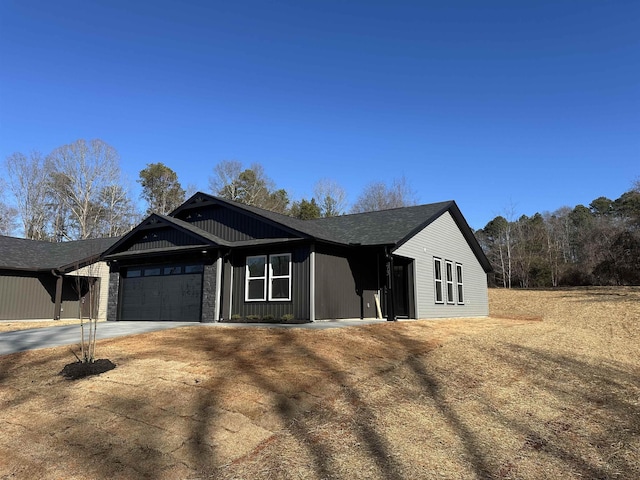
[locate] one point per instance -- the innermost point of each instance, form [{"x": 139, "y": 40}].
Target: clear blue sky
[{"x": 491, "y": 103}]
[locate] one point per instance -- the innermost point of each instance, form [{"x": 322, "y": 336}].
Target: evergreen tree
[{"x": 160, "y": 188}]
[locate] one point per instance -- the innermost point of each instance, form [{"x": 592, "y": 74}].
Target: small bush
[
  {"x": 287, "y": 318},
  {"x": 268, "y": 318},
  {"x": 253, "y": 318}
]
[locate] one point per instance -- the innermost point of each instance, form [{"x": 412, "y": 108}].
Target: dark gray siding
[
  {"x": 298, "y": 306},
  {"x": 160, "y": 238},
  {"x": 26, "y": 296},
  {"x": 29, "y": 296},
  {"x": 346, "y": 282},
  {"x": 230, "y": 225}
]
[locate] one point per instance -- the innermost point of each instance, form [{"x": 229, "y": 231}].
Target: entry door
[{"x": 401, "y": 289}]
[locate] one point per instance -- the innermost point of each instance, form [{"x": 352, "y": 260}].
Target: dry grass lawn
[
  {"x": 548, "y": 387},
  {"x": 12, "y": 325}
]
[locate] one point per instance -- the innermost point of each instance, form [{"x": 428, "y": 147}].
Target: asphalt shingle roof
[
  {"x": 24, "y": 254},
  {"x": 384, "y": 227}
]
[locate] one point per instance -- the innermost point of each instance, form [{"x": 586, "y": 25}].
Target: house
[
  {"x": 216, "y": 260},
  {"x": 44, "y": 280}
]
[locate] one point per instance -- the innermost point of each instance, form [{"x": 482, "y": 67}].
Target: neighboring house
[
  {"x": 44, "y": 280},
  {"x": 216, "y": 260}
]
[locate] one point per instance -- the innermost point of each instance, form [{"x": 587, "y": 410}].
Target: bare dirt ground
[{"x": 548, "y": 387}]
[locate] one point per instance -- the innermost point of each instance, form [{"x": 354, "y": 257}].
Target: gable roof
[
  {"x": 36, "y": 255},
  {"x": 390, "y": 228},
  {"x": 384, "y": 227}
]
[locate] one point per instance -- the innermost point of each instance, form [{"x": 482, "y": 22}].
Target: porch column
[{"x": 57, "y": 309}]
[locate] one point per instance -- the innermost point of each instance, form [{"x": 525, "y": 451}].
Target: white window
[
  {"x": 449, "y": 271},
  {"x": 256, "y": 279},
  {"x": 268, "y": 277},
  {"x": 280, "y": 276},
  {"x": 459, "y": 283},
  {"x": 437, "y": 276}
]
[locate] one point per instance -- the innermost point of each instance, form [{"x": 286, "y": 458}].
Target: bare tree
[
  {"x": 379, "y": 196},
  {"x": 8, "y": 215},
  {"x": 82, "y": 172},
  {"x": 558, "y": 226},
  {"x": 224, "y": 181},
  {"x": 331, "y": 197},
  {"x": 86, "y": 288},
  {"x": 28, "y": 182},
  {"x": 118, "y": 213}
]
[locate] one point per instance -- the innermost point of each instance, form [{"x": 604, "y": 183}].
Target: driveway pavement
[{"x": 21, "y": 340}]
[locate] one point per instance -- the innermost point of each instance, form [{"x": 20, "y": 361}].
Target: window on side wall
[
  {"x": 280, "y": 276},
  {"x": 459, "y": 283},
  {"x": 449, "y": 274},
  {"x": 437, "y": 277},
  {"x": 256, "y": 279}
]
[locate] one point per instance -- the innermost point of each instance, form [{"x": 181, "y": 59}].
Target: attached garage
[
  {"x": 162, "y": 292},
  {"x": 214, "y": 260}
]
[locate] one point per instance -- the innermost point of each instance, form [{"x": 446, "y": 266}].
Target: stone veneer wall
[
  {"x": 112, "y": 303},
  {"x": 209, "y": 294}
]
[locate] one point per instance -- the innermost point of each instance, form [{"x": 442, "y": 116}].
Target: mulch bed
[{"x": 78, "y": 370}]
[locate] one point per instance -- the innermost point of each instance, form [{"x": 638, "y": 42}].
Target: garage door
[{"x": 166, "y": 292}]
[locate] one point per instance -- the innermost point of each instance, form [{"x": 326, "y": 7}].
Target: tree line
[
  {"x": 598, "y": 244},
  {"x": 78, "y": 191}
]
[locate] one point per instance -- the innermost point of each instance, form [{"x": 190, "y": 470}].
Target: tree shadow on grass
[
  {"x": 603, "y": 389},
  {"x": 297, "y": 422},
  {"x": 265, "y": 367}
]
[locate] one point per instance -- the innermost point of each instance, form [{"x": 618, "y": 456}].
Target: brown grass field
[{"x": 547, "y": 387}]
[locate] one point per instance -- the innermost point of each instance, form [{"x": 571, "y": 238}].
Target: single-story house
[
  {"x": 44, "y": 280},
  {"x": 216, "y": 260}
]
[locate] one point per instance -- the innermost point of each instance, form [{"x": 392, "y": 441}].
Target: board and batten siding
[
  {"x": 298, "y": 306},
  {"x": 443, "y": 239},
  {"x": 26, "y": 296}
]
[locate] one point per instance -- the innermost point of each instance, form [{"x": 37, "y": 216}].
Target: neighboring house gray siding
[{"x": 443, "y": 239}]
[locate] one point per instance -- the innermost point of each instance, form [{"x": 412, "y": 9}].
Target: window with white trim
[
  {"x": 437, "y": 278},
  {"x": 459, "y": 284},
  {"x": 255, "y": 289},
  {"x": 449, "y": 273},
  {"x": 280, "y": 276},
  {"x": 268, "y": 277}
]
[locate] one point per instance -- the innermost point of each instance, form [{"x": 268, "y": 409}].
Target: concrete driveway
[{"x": 21, "y": 340}]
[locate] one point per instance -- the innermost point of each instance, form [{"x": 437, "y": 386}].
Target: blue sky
[{"x": 534, "y": 105}]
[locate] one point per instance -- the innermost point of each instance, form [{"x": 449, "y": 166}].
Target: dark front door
[{"x": 400, "y": 289}]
